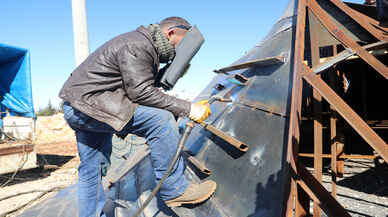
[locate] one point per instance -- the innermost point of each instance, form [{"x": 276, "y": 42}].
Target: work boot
[{"x": 195, "y": 193}]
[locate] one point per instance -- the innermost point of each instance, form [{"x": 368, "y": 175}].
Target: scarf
[{"x": 165, "y": 49}]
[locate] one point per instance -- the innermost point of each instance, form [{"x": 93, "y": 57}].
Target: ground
[
  {"x": 363, "y": 191},
  {"x": 56, "y": 149}
]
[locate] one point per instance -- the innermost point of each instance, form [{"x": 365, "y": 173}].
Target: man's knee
[
  {"x": 150, "y": 121},
  {"x": 89, "y": 173},
  {"x": 166, "y": 121},
  {"x": 166, "y": 117}
]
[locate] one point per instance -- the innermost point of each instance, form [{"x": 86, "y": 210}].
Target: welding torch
[{"x": 229, "y": 139}]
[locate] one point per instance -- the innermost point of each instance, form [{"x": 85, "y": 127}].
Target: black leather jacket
[{"x": 117, "y": 77}]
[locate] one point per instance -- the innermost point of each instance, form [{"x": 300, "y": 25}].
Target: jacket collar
[
  {"x": 147, "y": 34},
  {"x": 144, "y": 31}
]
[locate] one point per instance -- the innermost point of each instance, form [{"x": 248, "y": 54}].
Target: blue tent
[{"x": 15, "y": 82}]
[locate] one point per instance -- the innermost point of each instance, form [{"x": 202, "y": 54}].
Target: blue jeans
[{"x": 94, "y": 141}]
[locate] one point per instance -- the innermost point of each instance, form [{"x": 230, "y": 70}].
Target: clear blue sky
[{"x": 45, "y": 28}]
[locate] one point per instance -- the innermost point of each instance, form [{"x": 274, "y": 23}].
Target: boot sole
[{"x": 180, "y": 203}]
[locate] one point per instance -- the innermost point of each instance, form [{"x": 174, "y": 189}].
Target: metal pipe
[
  {"x": 227, "y": 138},
  {"x": 80, "y": 31}
]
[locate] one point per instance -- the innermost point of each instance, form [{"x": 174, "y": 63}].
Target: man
[{"x": 113, "y": 91}]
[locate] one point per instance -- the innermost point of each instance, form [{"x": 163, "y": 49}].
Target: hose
[
  {"x": 189, "y": 126},
  {"x": 181, "y": 144}
]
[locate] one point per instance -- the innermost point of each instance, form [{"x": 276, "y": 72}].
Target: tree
[{"x": 47, "y": 111}]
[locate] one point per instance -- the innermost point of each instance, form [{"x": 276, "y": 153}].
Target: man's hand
[{"x": 199, "y": 111}]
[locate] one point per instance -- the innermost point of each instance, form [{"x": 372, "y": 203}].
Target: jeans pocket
[
  {"x": 67, "y": 112},
  {"x": 70, "y": 115}
]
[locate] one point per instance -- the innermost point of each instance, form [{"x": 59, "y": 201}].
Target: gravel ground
[
  {"x": 363, "y": 191},
  {"x": 62, "y": 173},
  {"x": 55, "y": 145}
]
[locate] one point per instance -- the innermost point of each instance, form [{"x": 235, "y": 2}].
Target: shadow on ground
[
  {"x": 47, "y": 164},
  {"x": 372, "y": 181}
]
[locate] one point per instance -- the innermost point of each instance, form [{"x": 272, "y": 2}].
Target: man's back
[{"x": 96, "y": 86}]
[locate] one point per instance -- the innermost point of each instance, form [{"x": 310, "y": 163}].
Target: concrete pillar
[{"x": 80, "y": 29}]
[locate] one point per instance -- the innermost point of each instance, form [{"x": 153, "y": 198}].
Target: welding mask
[{"x": 184, "y": 52}]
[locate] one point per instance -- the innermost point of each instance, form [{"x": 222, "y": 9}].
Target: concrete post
[{"x": 80, "y": 29}]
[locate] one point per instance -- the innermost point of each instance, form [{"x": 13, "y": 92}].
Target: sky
[{"x": 45, "y": 28}]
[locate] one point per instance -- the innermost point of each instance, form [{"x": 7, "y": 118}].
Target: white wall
[{"x": 19, "y": 127}]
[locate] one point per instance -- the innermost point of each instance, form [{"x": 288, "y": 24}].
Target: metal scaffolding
[{"x": 315, "y": 17}]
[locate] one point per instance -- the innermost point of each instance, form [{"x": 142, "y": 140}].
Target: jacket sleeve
[{"x": 136, "y": 67}]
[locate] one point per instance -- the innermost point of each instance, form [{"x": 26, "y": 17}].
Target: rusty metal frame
[
  {"x": 275, "y": 60},
  {"x": 335, "y": 59},
  {"x": 227, "y": 138},
  {"x": 333, "y": 134},
  {"x": 341, "y": 156},
  {"x": 329, "y": 24},
  {"x": 295, "y": 116},
  {"x": 358, "y": 124},
  {"x": 19, "y": 149},
  {"x": 317, "y": 109},
  {"x": 316, "y": 191},
  {"x": 303, "y": 182},
  {"x": 361, "y": 19}
]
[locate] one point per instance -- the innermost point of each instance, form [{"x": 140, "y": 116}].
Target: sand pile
[{"x": 53, "y": 129}]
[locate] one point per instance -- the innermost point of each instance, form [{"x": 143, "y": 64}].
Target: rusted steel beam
[
  {"x": 342, "y": 156},
  {"x": 253, "y": 63},
  {"x": 227, "y": 138},
  {"x": 340, "y": 160},
  {"x": 16, "y": 149},
  {"x": 342, "y": 56},
  {"x": 372, "y": 21},
  {"x": 295, "y": 112},
  {"x": 346, "y": 40},
  {"x": 339, "y": 141},
  {"x": 359, "y": 18},
  {"x": 317, "y": 145},
  {"x": 347, "y": 113},
  {"x": 333, "y": 133},
  {"x": 289, "y": 209},
  {"x": 317, "y": 108},
  {"x": 199, "y": 165},
  {"x": 302, "y": 203},
  {"x": 316, "y": 191}
]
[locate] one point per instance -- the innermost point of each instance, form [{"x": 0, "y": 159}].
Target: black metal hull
[{"x": 251, "y": 183}]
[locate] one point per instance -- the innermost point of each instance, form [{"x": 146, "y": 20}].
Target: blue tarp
[{"x": 15, "y": 82}]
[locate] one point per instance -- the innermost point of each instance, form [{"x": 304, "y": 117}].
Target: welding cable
[{"x": 181, "y": 144}]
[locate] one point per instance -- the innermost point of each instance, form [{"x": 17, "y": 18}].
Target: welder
[{"x": 115, "y": 91}]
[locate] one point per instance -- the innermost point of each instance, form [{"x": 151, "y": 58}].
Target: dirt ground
[
  {"x": 57, "y": 150},
  {"x": 363, "y": 191}
]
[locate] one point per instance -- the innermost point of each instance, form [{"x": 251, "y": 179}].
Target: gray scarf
[{"x": 165, "y": 49}]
